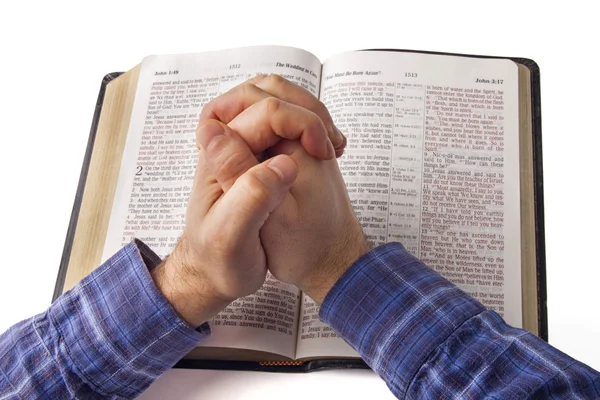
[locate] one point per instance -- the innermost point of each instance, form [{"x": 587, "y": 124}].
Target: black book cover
[{"x": 293, "y": 366}]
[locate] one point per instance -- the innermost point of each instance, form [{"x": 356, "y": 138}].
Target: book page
[
  {"x": 158, "y": 166},
  {"x": 433, "y": 162},
  {"x": 317, "y": 339}
]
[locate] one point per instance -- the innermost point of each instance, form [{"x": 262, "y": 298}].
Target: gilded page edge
[
  {"x": 101, "y": 182},
  {"x": 529, "y": 290}
]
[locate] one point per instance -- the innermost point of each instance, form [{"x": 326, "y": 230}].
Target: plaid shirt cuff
[
  {"x": 395, "y": 311},
  {"x": 118, "y": 330}
]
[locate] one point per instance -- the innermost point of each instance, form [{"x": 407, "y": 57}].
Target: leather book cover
[{"x": 307, "y": 366}]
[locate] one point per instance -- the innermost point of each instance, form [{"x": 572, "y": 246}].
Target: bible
[{"x": 443, "y": 155}]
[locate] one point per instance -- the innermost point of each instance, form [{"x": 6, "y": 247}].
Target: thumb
[{"x": 243, "y": 210}]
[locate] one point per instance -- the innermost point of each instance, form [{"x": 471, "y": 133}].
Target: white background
[{"x": 54, "y": 55}]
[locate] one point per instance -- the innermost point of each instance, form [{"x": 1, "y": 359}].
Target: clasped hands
[{"x": 267, "y": 195}]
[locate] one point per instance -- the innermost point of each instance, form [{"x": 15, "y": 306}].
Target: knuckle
[
  {"x": 231, "y": 163},
  {"x": 320, "y": 107},
  {"x": 255, "y": 189},
  {"x": 275, "y": 80},
  {"x": 315, "y": 123},
  {"x": 272, "y": 105},
  {"x": 246, "y": 88},
  {"x": 256, "y": 79},
  {"x": 321, "y": 110}
]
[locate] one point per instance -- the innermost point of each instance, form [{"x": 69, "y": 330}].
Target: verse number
[
  {"x": 139, "y": 171},
  {"x": 234, "y": 66},
  {"x": 411, "y": 75}
]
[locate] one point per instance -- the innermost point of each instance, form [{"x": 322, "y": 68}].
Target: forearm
[
  {"x": 426, "y": 338},
  {"x": 111, "y": 335}
]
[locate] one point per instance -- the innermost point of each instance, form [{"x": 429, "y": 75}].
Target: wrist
[
  {"x": 325, "y": 275},
  {"x": 186, "y": 291}
]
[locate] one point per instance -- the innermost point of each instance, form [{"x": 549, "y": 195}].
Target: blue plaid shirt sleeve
[
  {"x": 428, "y": 339},
  {"x": 110, "y": 336}
]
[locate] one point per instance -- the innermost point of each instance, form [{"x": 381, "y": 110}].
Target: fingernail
[
  {"x": 339, "y": 151},
  {"x": 285, "y": 167},
  {"x": 207, "y": 132},
  {"x": 339, "y": 137}
]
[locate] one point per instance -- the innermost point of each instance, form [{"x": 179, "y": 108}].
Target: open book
[{"x": 443, "y": 156}]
